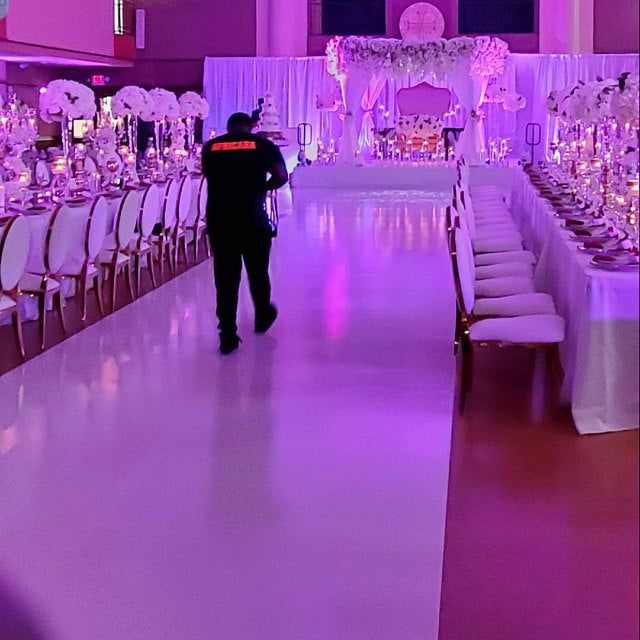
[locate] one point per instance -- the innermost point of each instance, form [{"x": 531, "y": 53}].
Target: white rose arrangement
[
  {"x": 130, "y": 101},
  {"x": 163, "y": 105},
  {"x": 590, "y": 102},
  {"x": 67, "y": 99},
  {"x": 193, "y": 105}
]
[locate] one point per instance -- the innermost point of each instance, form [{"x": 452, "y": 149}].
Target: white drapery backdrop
[{"x": 235, "y": 84}]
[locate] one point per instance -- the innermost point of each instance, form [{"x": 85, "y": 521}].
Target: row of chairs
[
  {"x": 497, "y": 303},
  {"x": 146, "y": 228}
]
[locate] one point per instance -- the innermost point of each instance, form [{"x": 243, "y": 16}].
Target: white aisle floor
[{"x": 151, "y": 489}]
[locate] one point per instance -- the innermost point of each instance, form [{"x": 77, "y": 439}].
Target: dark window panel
[
  {"x": 496, "y": 16},
  {"x": 353, "y": 17}
]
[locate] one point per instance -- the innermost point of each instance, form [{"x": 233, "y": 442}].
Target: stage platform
[{"x": 401, "y": 177}]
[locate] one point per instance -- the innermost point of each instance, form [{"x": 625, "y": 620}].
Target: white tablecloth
[{"x": 600, "y": 355}]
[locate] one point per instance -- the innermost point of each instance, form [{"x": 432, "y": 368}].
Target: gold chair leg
[
  {"x": 466, "y": 374},
  {"x": 58, "y": 302},
  {"x": 152, "y": 271},
  {"x": 138, "y": 264},
  {"x": 129, "y": 280},
  {"x": 17, "y": 327},
  {"x": 185, "y": 249},
  {"x": 196, "y": 240},
  {"x": 82, "y": 285},
  {"x": 114, "y": 286},
  {"x": 97, "y": 284},
  {"x": 42, "y": 310}
]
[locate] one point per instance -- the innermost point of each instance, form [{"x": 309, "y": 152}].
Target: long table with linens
[{"x": 600, "y": 355}]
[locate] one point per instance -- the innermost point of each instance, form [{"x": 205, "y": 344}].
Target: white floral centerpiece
[
  {"x": 193, "y": 105},
  {"x": 65, "y": 101},
  {"x": 163, "y": 105},
  {"x": 130, "y": 101},
  {"x": 590, "y": 102}
]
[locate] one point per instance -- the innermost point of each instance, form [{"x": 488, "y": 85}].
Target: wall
[
  {"x": 84, "y": 26},
  {"x": 181, "y": 33},
  {"x": 616, "y": 26}
]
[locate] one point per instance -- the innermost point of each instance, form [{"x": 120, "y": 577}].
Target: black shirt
[{"x": 236, "y": 167}]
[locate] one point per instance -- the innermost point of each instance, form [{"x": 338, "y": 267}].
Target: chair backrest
[
  {"x": 14, "y": 252},
  {"x": 149, "y": 211},
  {"x": 201, "y": 203},
  {"x": 126, "y": 219},
  {"x": 465, "y": 209},
  {"x": 465, "y": 267},
  {"x": 423, "y": 99},
  {"x": 170, "y": 205},
  {"x": 96, "y": 229},
  {"x": 184, "y": 199},
  {"x": 56, "y": 244}
]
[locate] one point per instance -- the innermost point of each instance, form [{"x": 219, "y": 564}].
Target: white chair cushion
[
  {"x": 497, "y": 218},
  {"x": 498, "y": 232},
  {"x": 32, "y": 282},
  {"x": 507, "y": 286},
  {"x": 496, "y": 245},
  {"x": 106, "y": 257},
  {"x": 521, "y": 304},
  {"x": 6, "y": 303},
  {"x": 505, "y": 256},
  {"x": 541, "y": 329},
  {"x": 504, "y": 269}
]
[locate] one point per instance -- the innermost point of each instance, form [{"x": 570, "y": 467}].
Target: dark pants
[{"x": 230, "y": 249}]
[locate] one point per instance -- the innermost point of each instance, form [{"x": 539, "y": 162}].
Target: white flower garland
[
  {"x": 66, "y": 98},
  {"x": 589, "y": 102},
  {"x": 130, "y": 101},
  {"x": 193, "y": 105},
  {"x": 482, "y": 56}
]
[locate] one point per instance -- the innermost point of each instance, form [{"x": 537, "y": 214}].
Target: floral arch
[{"x": 363, "y": 65}]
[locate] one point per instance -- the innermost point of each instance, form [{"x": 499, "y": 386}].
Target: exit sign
[{"x": 98, "y": 80}]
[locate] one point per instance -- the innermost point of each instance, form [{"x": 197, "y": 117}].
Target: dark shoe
[
  {"x": 228, "y": 344},
  {"x": 265, "y": 320}
]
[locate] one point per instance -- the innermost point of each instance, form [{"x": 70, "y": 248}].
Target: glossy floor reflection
[{"x": 150, "y": 489}]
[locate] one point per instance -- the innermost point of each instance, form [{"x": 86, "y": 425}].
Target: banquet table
[{"x": 600, "y": 354}]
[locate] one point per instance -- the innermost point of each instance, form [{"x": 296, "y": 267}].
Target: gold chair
[
  {"x": 44, "y": 284},
  {"x": 113, "y": 257},
  {"x": 87, "y": 272},
  {"x": 14, "y": 252}
]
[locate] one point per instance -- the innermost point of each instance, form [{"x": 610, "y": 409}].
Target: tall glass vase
[
  {"x": 66, "y": 130},
  {"x": 132, "y": 134},
  {"x": 191, "y": 134}
]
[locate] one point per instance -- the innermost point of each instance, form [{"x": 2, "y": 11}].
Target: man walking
[{"x": 236, "y": 167}]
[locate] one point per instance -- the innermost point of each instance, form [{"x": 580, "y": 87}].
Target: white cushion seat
[
  {"x": 498, "y": 231},
  {"x": 106, "y": 257},
  {"x": 504, "y": 269},
  {"x": 492, "y": 218},
  {"x": 536, "y": 329},
  {"x": 496, "y": 245},
  {"x": 504, "y": 256},
  {"x": 491, "y": 212},
  {"x": 521, "y": 304},
  {"x": 6, "y": 302},
  {"x": 32, "y": 283},
  {"x": 506, "y": 286},
  {"x": 72, "y": 271}
]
